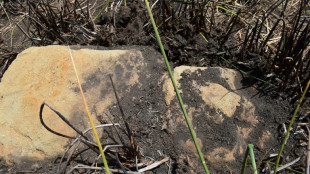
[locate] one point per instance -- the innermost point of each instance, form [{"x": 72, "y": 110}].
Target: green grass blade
[
  {"x": 203, "y": 37},
  {"x": 102, "y": 9},
  {"x": 290, "y": 126},
  {"x": 250, "y": 146},
  {"x": 249, "y": 150},
  {"x": 176, "y": 89},
  {"x": 225, "y": 9},
  {"x": 245, "y": 160},
  {"x": 227, "y": 61}
]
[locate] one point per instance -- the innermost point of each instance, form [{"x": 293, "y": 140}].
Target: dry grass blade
[
  {"x": 153, "y": 165},
  {"x": 80, "y": 139},
  {"x": 64, "y": 22},
  {"x": 132, "y": 142},
  {"x": 74, "y": 145},
  {"x": 81, "y": 166},
  {"x": 89, "y": 116},
  {"x": 140, "y": 171},
  {"x": 287, "y": 165}
]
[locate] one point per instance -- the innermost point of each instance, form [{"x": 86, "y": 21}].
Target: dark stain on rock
[
  {"x": 128, "y": 75},
  {"x": 213, "y": 75},
  {"x": 91, "y": 81},
  {"x": 104, "y": 92},
  {"x": 119, "y": 71}
]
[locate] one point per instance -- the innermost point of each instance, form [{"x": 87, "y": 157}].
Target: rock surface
[
  {"x": 46, "y": 74},
  {"x": 225, "y": 115}
]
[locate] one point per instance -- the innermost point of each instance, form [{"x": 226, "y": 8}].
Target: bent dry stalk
[{"x": 176, "y": 89}]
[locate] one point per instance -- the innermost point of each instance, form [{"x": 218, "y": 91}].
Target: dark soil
[{"x": 185, "y": 46}]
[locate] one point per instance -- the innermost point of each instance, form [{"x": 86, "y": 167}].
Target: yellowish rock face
[
  {"x": 46, "y": 74},
  {"x": 219, "y": 98}
]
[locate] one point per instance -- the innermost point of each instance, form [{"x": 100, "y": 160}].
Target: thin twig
[
  {"x": 133, "y": 145},
  {"x": 286, "y": 165},
  {"x": 155, "y": 164},
  {"x": 78, "y": 140},
  {"x": 150, "y": 167}
]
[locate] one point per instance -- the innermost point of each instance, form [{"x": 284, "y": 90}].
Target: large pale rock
[
  {"x": 221, "y": 111},
  {"x": 46, "y": 74}
]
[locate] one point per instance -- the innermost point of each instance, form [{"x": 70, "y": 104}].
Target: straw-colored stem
[
  {"x": 89, "y": 116},
  {"x": 290, "y": 126},
  {"x": 175, "y": 88}
]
